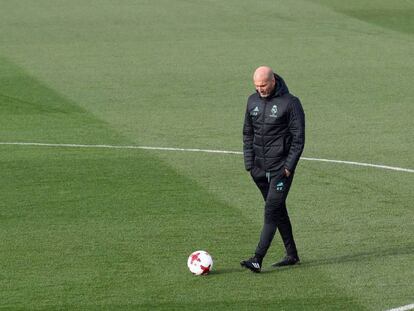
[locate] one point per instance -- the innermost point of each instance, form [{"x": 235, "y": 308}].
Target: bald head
[
  {"x": 264, "y": 80},
  {"x": 263, "y": 72}
]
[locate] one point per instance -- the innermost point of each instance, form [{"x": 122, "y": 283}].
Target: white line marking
[
  {"x": 386, "y": 167},
  {"x": 403, "y": 308}
]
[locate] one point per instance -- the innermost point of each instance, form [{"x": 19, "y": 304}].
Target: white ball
[{"x": 200, "y": 263}]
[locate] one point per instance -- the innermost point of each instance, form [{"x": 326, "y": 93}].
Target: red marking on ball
[
  {"x": 195, "y": 257},
  {"x": 206, "y": 270}
]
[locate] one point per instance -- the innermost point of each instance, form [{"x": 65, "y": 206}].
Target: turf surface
[{"x": 111, "y": 229}]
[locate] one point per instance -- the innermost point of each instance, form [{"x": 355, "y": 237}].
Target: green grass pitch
[{"x": 109, "y": 229}]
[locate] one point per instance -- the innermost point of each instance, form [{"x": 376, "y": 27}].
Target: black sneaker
[
  {"x": 287, "y": 261},
  {"x": 254, "y": 264}
]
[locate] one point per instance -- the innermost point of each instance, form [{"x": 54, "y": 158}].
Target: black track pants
[{"x": 274, "y": 191}]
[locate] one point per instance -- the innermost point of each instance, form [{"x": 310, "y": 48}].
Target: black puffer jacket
[{"x": 274, "y": 130}]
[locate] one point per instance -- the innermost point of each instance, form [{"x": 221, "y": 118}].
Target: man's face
[{"x": 264, "y": 85}]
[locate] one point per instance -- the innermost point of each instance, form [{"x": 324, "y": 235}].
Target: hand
[{"x": 287, "y": 172}]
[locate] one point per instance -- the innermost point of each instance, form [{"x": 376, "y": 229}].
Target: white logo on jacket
[
  {"x": 255, "y": 111},
  {"x": 274, "y": 112}
]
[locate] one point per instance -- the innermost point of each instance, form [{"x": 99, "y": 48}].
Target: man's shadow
[
  {"x": 355, "y": 257},
  {"x": 348, "y": 258}
]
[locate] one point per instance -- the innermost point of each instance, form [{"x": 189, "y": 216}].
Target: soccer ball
[{"x": 200, "y": 263}]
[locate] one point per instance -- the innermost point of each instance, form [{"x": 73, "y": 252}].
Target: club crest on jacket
[{"x": 274, "y": 112}]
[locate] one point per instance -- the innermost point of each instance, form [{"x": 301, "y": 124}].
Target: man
[{"x": 273, "y": 141}]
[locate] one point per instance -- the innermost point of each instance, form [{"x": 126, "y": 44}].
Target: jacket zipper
[{"x": 263, "y": 127}]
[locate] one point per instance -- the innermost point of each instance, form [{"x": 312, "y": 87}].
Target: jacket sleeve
[
  {"x": 248, "y": 133},
  {"x": 297, "y": 131}
]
